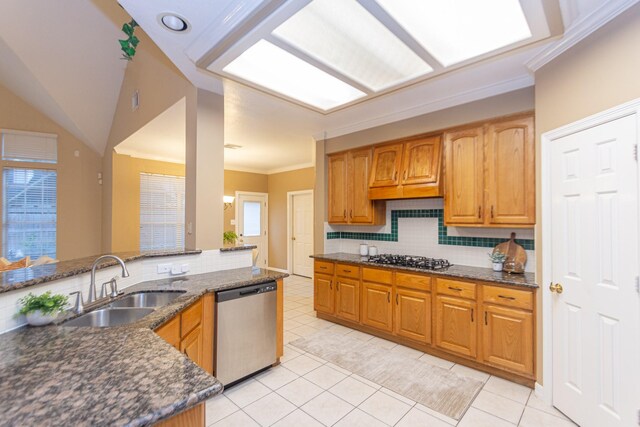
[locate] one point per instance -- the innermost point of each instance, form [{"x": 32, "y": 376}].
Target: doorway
[
  {"x": 591, "y": 305},
  {"x": 300, "y": 232},
  {"x": 251, "y": 224}
]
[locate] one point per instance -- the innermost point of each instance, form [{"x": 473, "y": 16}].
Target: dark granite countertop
[
  {"x": 121, "y": 376},
  {"x": 24, "y": 277},
  {"x": 459, "y": 271},
  {"x": 238, "y": 248}
]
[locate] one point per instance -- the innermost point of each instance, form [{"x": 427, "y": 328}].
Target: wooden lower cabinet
[
  {"x": 193, "y": 417},
  {"x": 377, "y": 310},
  {"x": 507, "y": 337},
  {"x": 191, "y": 345},
  {"x": 347, "y": 299},
  {"x": 413, "y": 315},
  {"x": 456, "y": 325},
  {"x": 323, "y": 297},
  {"x": 170, "y": 332}
]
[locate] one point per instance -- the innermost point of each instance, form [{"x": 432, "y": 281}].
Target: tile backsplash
[{"x": 416, "y": 227}]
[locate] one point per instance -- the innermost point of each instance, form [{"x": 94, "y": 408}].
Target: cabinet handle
[
  {"x": 344, "y": 214},
  {"x": 337, "y": 286},
  {"x": 388, "y": 296},
  {"x": 351, "y": 213},
  {"x": 472, "y": 315},
  {"x": 397, "y": 299},
  {"x": 331, "y": 285},
  {"x": 404, "y": 178},
  {"x": 479, "y": 211},
  {"x": 506, "y": 297},
  {"x": 455, "y": 289},
  {"x": 491, "y": 211},
  {"x": 395, "y": 176},
  {"x": 323, "y": 267},
  {"x": 347, "y": 271},
  {"x": 485, "y": 318}
]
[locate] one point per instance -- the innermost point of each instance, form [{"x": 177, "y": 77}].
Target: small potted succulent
[
  {"x": 42, "y": 309},
  {"x": 497, "y": 258}
]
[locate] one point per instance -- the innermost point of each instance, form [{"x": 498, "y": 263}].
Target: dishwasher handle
[
  {"x": 252, "y": 291},
  {"x": 245, "y": 291}
]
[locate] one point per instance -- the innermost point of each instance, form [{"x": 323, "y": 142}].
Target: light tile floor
[{"x": 308, "y": 391}]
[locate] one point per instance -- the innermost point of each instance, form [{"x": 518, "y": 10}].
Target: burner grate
[{"x": 420, "y": 262}]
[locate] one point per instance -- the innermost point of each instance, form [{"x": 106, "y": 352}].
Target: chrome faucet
[{"x": 92, "y": 285}]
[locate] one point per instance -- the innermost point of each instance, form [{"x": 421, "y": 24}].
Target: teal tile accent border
[{"x": 443, "y": 238}]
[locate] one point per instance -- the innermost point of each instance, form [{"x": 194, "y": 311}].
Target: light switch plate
[{"x": 164, "y": 268}]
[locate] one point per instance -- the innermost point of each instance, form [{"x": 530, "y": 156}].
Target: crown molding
[
  {"x": 475, "y": 94},
  {"x": 579, "y": 31}
]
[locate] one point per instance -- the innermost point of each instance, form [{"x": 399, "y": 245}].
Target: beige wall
[
  {"x": 79, "y": 194},
  {"x": 241, "y": 181},
  {"x": 509, "y": 103},
  {"x": 598, "y": 73},
  {"x": 279, "y": 185},
  {"x": 160, "y": 85},
  {"x": 126, "y": 197}
]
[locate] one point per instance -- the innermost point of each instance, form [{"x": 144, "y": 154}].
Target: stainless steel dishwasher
[{"x": 245, "y": 331}]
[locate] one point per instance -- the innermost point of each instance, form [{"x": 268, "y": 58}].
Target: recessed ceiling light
[
  {"x": 174, "y": 22},
  {"x": 232, "y": 146}
]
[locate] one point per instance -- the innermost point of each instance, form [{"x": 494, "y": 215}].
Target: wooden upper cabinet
[
  {"x": 464, "y": 187},
  {"x": 421, "y": 161},
  {"x": 338, "y": 197},
  {"x": 387, "y": 160},
  {"x": 361, "y": 209},
  {"x": 348, "y": 190},
  {"x": 511, "y": 172}
]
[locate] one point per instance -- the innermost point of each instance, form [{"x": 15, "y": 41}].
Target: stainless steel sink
[
  {"x": 147, "y": 299},
  {"x": 109, "y": 317}
]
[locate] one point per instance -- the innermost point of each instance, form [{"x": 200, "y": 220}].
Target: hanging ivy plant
[{"x": 129, "y": 44}]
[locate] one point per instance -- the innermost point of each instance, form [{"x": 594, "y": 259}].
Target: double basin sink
[{"x": 125, "y": 310}]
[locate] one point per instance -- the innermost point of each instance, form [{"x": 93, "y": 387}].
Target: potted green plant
[
  {"x": 497, "y": 258},
  {"x": 42, "y": 309},
  {"x": 229, "y": 238}
]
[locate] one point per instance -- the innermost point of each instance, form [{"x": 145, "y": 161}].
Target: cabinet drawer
[
  {"x": 324, "y": 267},
  {"x": 509, "y": 297},
  {"x": 413, "y": 281},
  {"x": 456, "y": 288},
  {"x": 191, "y": 318},
  {"x": 346, "y": 270},
  {"x": 377, "y": 275}
]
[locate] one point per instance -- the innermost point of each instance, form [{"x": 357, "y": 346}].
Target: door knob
[
  {"x": 293, "y": 238},
  {"x": 556, "y": 288}
]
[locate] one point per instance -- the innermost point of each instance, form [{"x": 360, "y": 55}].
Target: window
[
  {"x": 29, "y": 213},
  {"x": 161, "y": 212},
  {"x": 251, "y": 218}
]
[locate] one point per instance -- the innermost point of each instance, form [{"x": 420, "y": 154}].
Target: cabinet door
[
  {"x": 507, "y": 338},
  {"x": 323, "y": 299},
  {"x": 456, "y": 325},
  {"x": 191, "y": 345},
  {"x": 338, "y": 189},
  {"x": 376, "y": 306},
  {"x": 421, "y": 161},
  {"x": 464, "y": 170},
  {"x": 170, "y": 332},
  {"x": 360, "y": 207},
  {"x": 386, "y": 166},
  {"x": 511, "y": 172},
  {"x": 413, "y": 314},
  {"x": 348, "y": 298}
]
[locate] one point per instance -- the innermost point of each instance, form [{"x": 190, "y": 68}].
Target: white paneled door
[
  {"x": 251, "y": 214},
  {"x": 596, "y": 320},
  {"x": 302, "y": 233}
]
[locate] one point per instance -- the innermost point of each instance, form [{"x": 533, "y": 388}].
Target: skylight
[
  {"x": 345, "y": 37},
  {"x": 275, "y": 69},
  {"x": 454, "y": 31}
]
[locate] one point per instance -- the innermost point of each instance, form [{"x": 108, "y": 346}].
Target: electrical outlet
[
  {"x": 176, "y": 269},
  {"x": 164, "y": 268},
  {"x": 184, "y": 268}
]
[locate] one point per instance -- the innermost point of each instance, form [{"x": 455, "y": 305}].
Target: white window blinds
[
  {"x": 29, "y": 147},
  {"x": 29, "y": 213},
  {"x": 161, "y": 212}
]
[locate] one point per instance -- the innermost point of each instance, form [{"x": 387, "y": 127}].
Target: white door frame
[
  {"x": 631, "y": 108},
  {"x": 266, "y": 218},
  {"x": 290, "y": 195}
]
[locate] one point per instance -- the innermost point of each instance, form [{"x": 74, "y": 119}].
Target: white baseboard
[{"x": 540, "y": 393}]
